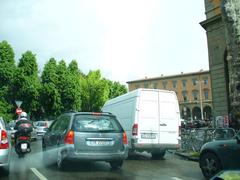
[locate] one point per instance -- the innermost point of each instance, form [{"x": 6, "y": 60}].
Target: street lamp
[{"x": 200, "y": 97}]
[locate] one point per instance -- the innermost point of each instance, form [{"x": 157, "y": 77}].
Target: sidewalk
[{"x": 192, "y": 156}]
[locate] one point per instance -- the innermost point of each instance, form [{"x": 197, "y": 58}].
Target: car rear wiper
[{"x": 108, "y": 130}]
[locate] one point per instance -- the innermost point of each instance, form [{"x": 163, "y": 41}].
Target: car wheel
[
  {"x": 116, "y": 164},
  {"x": 209, "y": 164},
  {"x": 45, "y": 157},
  {"x": 158, "y": 155},
  {"x": 5, "y": 170},
  {"x": 60, "y": 161}
]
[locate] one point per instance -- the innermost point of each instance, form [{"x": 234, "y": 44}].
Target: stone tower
[
  {"x": 218, "y": 65},
  {"x": 222, "y": 25}
]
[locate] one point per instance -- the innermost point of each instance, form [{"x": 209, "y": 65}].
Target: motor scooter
[{"x": 23, "y": 139}]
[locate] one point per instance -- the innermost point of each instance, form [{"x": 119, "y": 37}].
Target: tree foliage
[
  {"x": 59, "y": 88},
  {"x": 7, "y": 74},
  {"x": 94, "y": 91},
  {"x": 115, "y": 89},
  {"x": 27, "y": 83},
  {"x": 50, "y": 97}
]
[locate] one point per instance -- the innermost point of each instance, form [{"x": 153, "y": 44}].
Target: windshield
[{"x": 90, "y": 123}]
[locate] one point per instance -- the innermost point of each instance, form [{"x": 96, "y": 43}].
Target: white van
[{"x": 151, "y": 119}]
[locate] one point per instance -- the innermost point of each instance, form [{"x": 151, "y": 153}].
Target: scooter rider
[{"x": 23, "y": 121}]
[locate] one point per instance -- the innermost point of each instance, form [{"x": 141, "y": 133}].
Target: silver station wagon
[
  {"x": 85, "y": 136},
  {"x": 5, "y": 149}
]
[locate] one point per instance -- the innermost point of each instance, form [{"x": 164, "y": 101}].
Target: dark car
[
  {"x": 85, "y": 136},
  {"x": 220, "y": 155}
]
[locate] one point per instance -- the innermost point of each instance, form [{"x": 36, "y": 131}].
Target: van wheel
[
  {"x": 158, "y": 155},
  {"x": 116, "y": 164}
]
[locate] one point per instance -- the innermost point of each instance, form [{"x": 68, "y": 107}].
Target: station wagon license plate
[
  {"x": 99, "y": 143},
  {"x": 148, "y": 136}
]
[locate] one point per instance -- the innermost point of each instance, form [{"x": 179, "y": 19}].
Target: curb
[
  {"x": 195, "y": 159},
  {"x": 185, "y": 155}
]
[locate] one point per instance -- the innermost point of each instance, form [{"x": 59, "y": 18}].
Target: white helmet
[{"x": 23, "y": 115}]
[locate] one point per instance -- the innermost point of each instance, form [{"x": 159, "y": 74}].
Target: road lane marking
[
  {"x": 38, "y": 174},
  {"x": 176, "y": 178}
]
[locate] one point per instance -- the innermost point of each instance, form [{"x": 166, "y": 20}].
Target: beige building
[{"x": 193, "y": 91}]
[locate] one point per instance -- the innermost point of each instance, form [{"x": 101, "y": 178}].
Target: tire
[
  {"x": 5, "y": 170},
  {"x": 45, "y": 158},
  {"x": 116, "y": 164},
  {"x": 158, "y": 155},
  {"x": 209, "y": 164}
]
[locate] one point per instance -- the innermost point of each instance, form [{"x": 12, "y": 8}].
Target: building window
[
  {"x": 185, "y": 97},
  {"x": 155, "y": 85},
  {"x": 174, "y": 84},
  {"x": 164, "y": 83},
  {"x": 194, "y": 82},
  {"x": 184, "y": 83},
  {"x": 137, "y": 86},
  {"x": 205, "y": 81},
  {"x": 206, "y": 95},
  {"x": 195, "y": 95},
  {"x": 145, "y": 85}
]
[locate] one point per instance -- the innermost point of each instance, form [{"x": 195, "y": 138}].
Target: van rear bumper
[{"x": 154, "y": 147}]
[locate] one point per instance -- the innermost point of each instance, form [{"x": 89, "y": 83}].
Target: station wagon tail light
[
  {"x": 125, "y": 140},
  {"x": 69, "y": 138},
  {"x": 135, "y": 130},
  {"x": 4, "y": 140}
]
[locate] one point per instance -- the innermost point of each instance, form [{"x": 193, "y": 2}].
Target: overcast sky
[{"x": 125, "y": 39}]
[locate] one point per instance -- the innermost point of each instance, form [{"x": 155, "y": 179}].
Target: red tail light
[
  {"x": 125, "y": 140},
  {"x": 24, "y": 138},
  {"x": 69, "y": 138},
  {"x": 135, "y": 130},
  {"x": 4, "y": 140},
  {"x": 179, "y": 130}
]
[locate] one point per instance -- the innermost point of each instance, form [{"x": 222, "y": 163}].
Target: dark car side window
[{"x": 61, "y": 124}]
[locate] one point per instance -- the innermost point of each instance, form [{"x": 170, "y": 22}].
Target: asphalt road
[{"x": 137, "y": 167}]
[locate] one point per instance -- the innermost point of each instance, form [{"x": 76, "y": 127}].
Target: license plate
[
  {"x": 24, "y": 146},
  {"x": 148, "y": 136},
  {"x": 99, "y": 143}
]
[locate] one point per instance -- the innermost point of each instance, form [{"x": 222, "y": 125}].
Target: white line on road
[
  {"x": 38, "y": 174},
  {"x": 176, "y": 178}
]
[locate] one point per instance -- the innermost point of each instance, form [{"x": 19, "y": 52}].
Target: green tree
[
  {"x": 27, "y": 84},
  {"x": 50, "y": 97},
  {"x": 7, "y": 74},
  {"x": 72, "y": 93},
  {"x": 62, "y": 83},
  {"x": 115, "y": 89},
  {"x": 94, "y": 91}
]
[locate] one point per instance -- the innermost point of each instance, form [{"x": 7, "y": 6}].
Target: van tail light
[
  {"x": 179, "y": 130},
  {"x": 4, "y": 144},
  {"x": 135, "y": 130},
  {"x": 69, "y": 138},
  {"x": 124, "y": 138}
]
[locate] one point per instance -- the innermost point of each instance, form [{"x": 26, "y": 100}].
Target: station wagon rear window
[{"x": 90, "y": 123}]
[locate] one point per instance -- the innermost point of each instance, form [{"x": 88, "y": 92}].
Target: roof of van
[{"x": 133, "y": 94}]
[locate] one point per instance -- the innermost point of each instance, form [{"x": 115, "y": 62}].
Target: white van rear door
[
  {"x": 169, "y": 118},
  {"x": 148, "y": 119}
]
